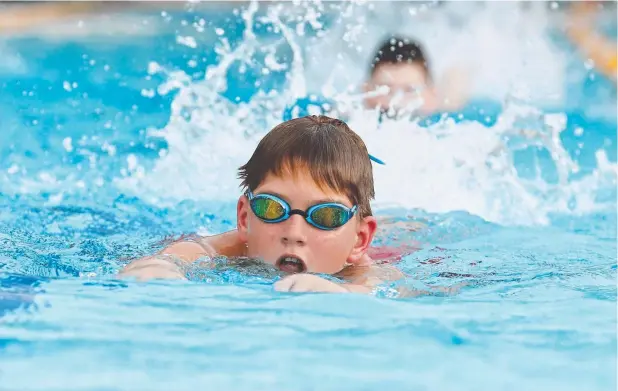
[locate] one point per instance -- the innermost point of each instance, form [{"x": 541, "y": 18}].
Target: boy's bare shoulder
[
  {"x": 188, "y": 250},
  {"x": 194, "y": 246}
]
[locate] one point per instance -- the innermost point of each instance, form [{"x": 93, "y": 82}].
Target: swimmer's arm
[
  {"x": 360, "y": 279},
  {"x": 168, "y": 262},
  {"x": 377, "y": 275},
  {"x": 366, "y": 281}
]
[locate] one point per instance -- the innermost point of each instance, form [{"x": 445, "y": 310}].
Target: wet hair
[
  {"x": 399, "y": 50},
  {"x": 334, "y": 155}
]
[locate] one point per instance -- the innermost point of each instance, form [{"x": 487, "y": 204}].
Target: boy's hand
[{"x": 308, "y": 283}]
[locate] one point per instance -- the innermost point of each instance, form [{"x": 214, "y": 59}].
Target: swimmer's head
[
  {"x": 299, "y": 164},
  {"x": 399, "y": 76}
]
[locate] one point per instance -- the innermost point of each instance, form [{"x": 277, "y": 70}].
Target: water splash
[
  {"x": 448, "y": 166},
  {"x": 466, "y": 166}
]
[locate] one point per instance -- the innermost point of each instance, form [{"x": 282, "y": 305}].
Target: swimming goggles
[{"x": 325, "y": 216}]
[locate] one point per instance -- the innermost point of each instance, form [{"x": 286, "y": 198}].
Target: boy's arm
[
  {"x": 366, "y": 281},
  {"x": 167, "y": 263},
  {"x": 363, "y": 284},
  {"x": 361, "y": 279}
]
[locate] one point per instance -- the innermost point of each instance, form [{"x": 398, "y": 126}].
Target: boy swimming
[
  {"x": 399, "y": 84},
  {"x": 305, "y": 210},
  {"x": 400, "y": 64}
]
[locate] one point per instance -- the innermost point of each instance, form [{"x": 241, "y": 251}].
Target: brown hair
[
  {"x": 400, "y": 50},
  {"x": 327, "y": 148}
]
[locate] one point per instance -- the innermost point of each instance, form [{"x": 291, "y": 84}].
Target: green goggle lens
[
  {"x": 329, "y": 216},
  {"x": 267, "y": 209}
]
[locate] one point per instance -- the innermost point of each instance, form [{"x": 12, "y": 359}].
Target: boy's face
[
  {"x": 407, "y": 83},
  {"x": 319, "y": 251}
]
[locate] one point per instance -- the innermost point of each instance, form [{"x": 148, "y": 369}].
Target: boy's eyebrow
[
  {"x": 325, "y": 200},
  {"x": 312, "y": 202}
]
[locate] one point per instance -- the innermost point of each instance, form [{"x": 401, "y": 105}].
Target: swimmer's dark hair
[
  {"x": 397, "y": 50},
  {"x": 334, "y": 156}
]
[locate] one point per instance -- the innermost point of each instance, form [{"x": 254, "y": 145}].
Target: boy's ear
[
  {"x": 364, "y": 236},
  {"x": 242, "y": 217}
]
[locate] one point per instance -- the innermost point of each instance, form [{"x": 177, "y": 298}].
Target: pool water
[{"x": 112, "y": 146}]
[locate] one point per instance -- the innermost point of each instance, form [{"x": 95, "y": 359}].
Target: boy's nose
[{"x": 294, "y": 231}]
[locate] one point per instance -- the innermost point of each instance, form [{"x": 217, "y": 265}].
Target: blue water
[{"x": 538, "y": 310}]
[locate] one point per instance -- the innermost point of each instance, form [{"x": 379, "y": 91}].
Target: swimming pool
[{"x": 111, "y": 145}]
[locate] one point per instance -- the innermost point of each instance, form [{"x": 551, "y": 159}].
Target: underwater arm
[
  {"x": 370, "y": 284},
  {"x": 167, "y": 263},
  {"x": 373, "y": 277},
  {"x": 377, "y": 275}
]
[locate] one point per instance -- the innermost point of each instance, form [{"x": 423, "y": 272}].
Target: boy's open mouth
[{"x": 291, "y": 264}]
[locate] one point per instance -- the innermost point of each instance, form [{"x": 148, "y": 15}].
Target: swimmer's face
[
  {"x": 407, "y": 83},
  {"x": 321, "y": 251}
]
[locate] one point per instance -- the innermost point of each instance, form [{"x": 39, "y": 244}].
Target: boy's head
[
  {"x": 399, "y": 64},
  {"x": 299, "y": 164}
]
